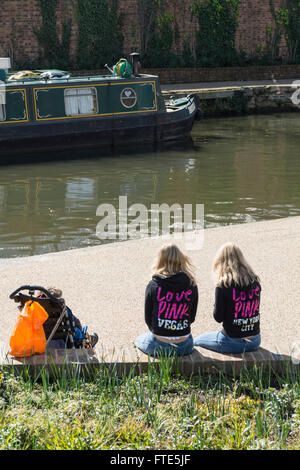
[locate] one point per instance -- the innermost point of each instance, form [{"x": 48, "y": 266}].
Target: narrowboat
[{"x": 47, "y": 111}]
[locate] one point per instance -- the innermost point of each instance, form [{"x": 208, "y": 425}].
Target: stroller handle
[{"x": 33, "y": 288}]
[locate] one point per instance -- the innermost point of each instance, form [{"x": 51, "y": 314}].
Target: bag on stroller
[
  {"x": 28, "y": 336},
  {"x": 59, "y": 324}
]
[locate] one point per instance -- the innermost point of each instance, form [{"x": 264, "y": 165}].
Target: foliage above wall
[
  {"x": 56, "y": 52},
  {"x": 158, "y": 34},
  {"x": 215, "y": 40},
  {"x": 287, "y": 25},
  {"x": 100, "y": 38},
  {"x": 98, "y": 27}
]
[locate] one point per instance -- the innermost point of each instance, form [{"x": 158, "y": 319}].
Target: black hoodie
[
  {"x": 238, "y": 309},
  {"x": 171, "y": 305}
]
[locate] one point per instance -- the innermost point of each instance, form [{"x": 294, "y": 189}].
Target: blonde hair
[
  {"x": 230, "y": 267},
  {"x": 171, "y": 260}
]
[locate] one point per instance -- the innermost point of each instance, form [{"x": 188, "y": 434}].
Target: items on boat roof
[
  {"x": 5, "y": 63},
  {"x": 40, "y": 74},
  {"x": 54, "y": 75},
  {"x": 23, "y": 74},
  {"x": 3, "y": 75},
  {"x": 123, "y": 68}
]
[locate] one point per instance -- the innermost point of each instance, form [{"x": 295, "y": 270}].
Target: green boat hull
[{"x": 41, "y": 116}]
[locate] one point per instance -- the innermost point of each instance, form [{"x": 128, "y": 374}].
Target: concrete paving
[
  {"x": 215, "y": 85},
  {"x": 104, "y": 285}
]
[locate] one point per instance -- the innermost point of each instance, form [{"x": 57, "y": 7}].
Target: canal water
[{"x": 242, "y": 169}]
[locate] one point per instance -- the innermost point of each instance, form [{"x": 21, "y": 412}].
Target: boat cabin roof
[{"x": 72, "y": 79}]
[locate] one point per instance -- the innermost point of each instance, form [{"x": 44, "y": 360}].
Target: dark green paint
[
  {"x": 15, "y": 106},
  {"x": 50, "y": 100}
]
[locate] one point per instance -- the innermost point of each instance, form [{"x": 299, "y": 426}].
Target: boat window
[
  {"x": 2, "y": 112},
  {"x": 81, "y": 101}
]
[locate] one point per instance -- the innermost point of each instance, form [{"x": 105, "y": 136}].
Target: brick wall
[
  {"x": 18, "y": 18},
  {"x": 218, "y": 74},
  {"x": 226, "y": 74},
  {"x": 254, "y": 17}
]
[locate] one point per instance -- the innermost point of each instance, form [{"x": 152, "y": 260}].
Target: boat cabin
[{"x": 47, "y": 110}]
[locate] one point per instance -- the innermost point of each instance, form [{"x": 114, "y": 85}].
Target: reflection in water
[{"x": 242, "y": 169}]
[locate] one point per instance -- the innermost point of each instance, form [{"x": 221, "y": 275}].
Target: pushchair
[{"x": 58, "y": 325}]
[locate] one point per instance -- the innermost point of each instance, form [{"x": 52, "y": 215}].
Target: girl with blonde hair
[
  {"x": 237, "y": 304},
  {"x": 171, "y": 301}
]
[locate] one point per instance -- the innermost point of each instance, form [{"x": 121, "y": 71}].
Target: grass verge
[{"x": 157, "y": 410}]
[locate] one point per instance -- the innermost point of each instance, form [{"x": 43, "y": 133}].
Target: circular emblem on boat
[{"x": 128, "y": 98}]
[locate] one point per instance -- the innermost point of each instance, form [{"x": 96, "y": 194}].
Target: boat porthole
[{"x": 128, "y": 98}]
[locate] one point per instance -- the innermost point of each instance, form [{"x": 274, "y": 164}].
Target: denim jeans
[
  {"x": 223, "y": 344},
  {"x": 149, "y": 344}
]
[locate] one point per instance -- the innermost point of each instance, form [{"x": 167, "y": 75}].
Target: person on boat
[
  {"x": 237, "y": 304},
  {"x": 76, "y": 324},
  {"x": 171, "y": 301}
]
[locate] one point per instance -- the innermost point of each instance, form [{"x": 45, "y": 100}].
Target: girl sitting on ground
[
  {"x": 170, "y": 305},
  {"x": 237, "y": 302}
]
